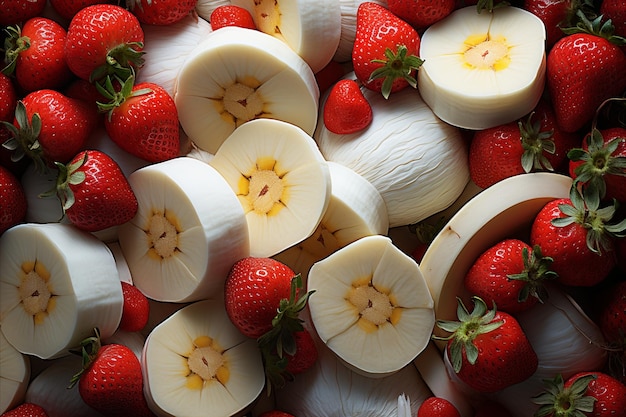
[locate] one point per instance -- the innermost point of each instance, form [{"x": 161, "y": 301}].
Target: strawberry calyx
[
  {"x": 23, "y": 140},
  {"x": 561, "y": 401},
  {"x": 120, "y": 61},
  {"x": 14, "y": 44},
  {"x": 535, "y": 142},
  {"x": 117, "y": 96},
  {"x": 595, "y": 25},
  {"x": 466, "y": 329},
  {"x": 88, "y": 350},
  {"x": 67, "y": 175},
  {"x": 396, "y": 65},
  {"x": 131, "y": 4},
  {"x": 536, "y": 271},
  {"x": 490, "y": 5}
]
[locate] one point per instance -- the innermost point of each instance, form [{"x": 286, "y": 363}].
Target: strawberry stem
[
  {"x": 557, "y": 400},
  {"x": 396, "y": 65},
  {"x": 89, "y": 349}
]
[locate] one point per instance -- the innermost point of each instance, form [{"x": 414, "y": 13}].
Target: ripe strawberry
[
  {"x": 13, "y": 203},
  {"x": 26, "y": 410},
  {"x": 329, "y": 75},
  {"x": 68, "y": 8},
  {"x": 231, "y": 15},
  {"x": 554, "y": 14},
  {"x": 437, "y": 407},
  {"x": 421, "y": 13},
  {"x": 160, "y": 12},
  {"x": 7, "y": 113},
  {"x": 616, "y": 11},
  {"x": 583, "y": 70},
  {"x": 94, "y": 192},
  {"x": 142, "y": 120},
  {"x": 136, "y": 309},
  {"x": 346, "y": 109},
  {"x": 612, "y": 322},
  {"x": 275, "y": 413},
  {"x": 18, "y": 11},
  {"x": 384, "y": 54},
  {"x": 510, "y": 274},
  {"x": 488, "y": 349},
  {"x": 35, "y": 55},
  {"x": 305, "y": 355},
  {"x": 593, "y": 394},
  {"x": 104, "y": 39}
]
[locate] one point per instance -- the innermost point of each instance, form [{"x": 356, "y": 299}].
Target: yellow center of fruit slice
[
  {"x": 375, "y": 306},
  {"x": 35, "y": 291},
  {"x": 268, "y": 17},
  {"x": 263, "y": 190},
  {"x": 206, "y": 363},
  {"x": 321, "y": 243},
  {"x": 484, "y": 52},
  {"x": 242, "y": 102},
  {"x": 162, "y": 234}
]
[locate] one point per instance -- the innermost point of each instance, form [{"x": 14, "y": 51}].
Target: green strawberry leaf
[{"x": 396, "y": 65}]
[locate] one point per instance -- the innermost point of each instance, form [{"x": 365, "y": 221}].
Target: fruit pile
[{"x": 207, "y": 207}]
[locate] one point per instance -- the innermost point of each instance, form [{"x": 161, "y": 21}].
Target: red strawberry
[
  {"x": 104, "y": 39},
  {"x": 346, "y": 109},
  {"x": 13, "y": 203},
  {"x": 231, "y": 15},
  {"x": 421, "y": 13},
  {"x": 35, "y": 55},
  {"x": 68, "y": 8},
  {"x": 616, "y": 11},
  {"x": 554, "y": 14},
  {"x": 583, "y": 70},
  {"x": 593, "y": 394},
  {"x": 612, "y": 322},
  {"x": 7, "y": 113},
  {"x": 437, "y": 407},
  {"x": 26, "y": 410},
  {"x": 306, "y": 353},
  {"x": 329, "y": 75},
  {"x": 94, "y": 192},
  {"x": 161, "y": 12},
  {"x": 488, "y": 349},
  {"x": 18, "y": 11},
  {"x": 384, "y": 54},
  {"x": 275, "y": 413},
  {"x": 142, "y": 119},
  {"x": 510, "y": 274},
  {"x": 136, "y": 309}
]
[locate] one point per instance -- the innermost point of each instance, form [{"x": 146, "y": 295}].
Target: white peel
[{"x": 15, "y": 372}]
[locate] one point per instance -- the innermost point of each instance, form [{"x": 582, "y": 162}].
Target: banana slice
[
  {"x": 281, "y": 179},
  {"x": 371, "y": 306},
  {"x": 57, "y": 283},
  {"x": 188, "y": 232},
  {"x": 312, "y": 28},
  {"x": 196, "y": 363},
  {"x": 355, "y": 210},
  {"x": 483, "y": 70},
  {"x": 236, "y": 75},
  {"x": 14, "y": 375}
]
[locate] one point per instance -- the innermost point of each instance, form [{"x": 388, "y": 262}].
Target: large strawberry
[
  {"x": 385, "y": 50},
  {"x": 13, "y": 202},
  {"x": 346, "y": 110},
  {"x": 18, "y": 11},
  {"x": 421, "y": 13},
  {"x": 160, "y": 12},
  {"x": 68, "y": 8},
  {"x": 488, "y": 349}
]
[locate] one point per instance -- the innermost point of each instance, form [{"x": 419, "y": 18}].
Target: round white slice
[
  {"x": 236, "y": 75},
  {"x": 57, "y": 284},
  {"x": 371, "y": 305},
  {"x": 281, "y": 179},
  {"x": 14, "y": 375},
  {"x": 188, "y": 232},
  {"x": 483, "y": 69},
  {"x": 196, "y": 363}
]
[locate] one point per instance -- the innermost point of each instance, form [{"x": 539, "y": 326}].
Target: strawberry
[
  {"x": 68, "y": 8},
  {"x": 612, "y": 322},
  {"x": 18, "y": 11},
  {"x": 583, "y": 70},
  {"x": 136, "y": 309},
  {"x": 13, "y": 202},
  {"x": 26, "y": 410},
  {"x": 384, "y": 54},
  {"x": 421, "y": 13},
  {"x": 104, "y": 39},
  {"x": 554, "y": 14},
  {"x": 160, "y": 12},
  {"x": 437, "y": 407},
  {"x": 34, "y": 54},
  {"x": 488, "y": 349},
  {"x": 231, "y": 15},
  {"x": 616, "y": 11},
  {"x": 142, "y": 119},
  {"x": 346, "y": 110},
  {"x": 329, "y": 75},
  {"x": 94, "y": 192},
  {"x": 7, "y": 113},
  {"x": 305, "y": 355},
  {"x": 275, "y": 413},
  {"x": 510, "y": 274},
  {"x": 593, "y": 394}
]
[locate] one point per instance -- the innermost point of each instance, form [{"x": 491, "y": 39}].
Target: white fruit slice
[
  {"x": 348, "y": 28},
  {"x": 355, "y": 210},
  {"x": 14, "y": 375},
  {"x": 57, "y": 284},
  {"x": 371, "y": 305},
  {"x": 123, "y": 271},
  {"x": 281, "y": 179},
  {"x": 312, "y": 28},
  {"x": 236, "y": 75},
  {"x": 188, "y": 231},
  {"x": 483, "y": 69},
  {"x": 196, "y": 363}
]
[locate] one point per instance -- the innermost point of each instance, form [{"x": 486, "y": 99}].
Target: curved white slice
[
  {"x": 236, "y": 75},
  {"x": 312, "y": 28},
  {"x": 56, "y": 284},
  {"x": 371, "y": 305},
  {"x": 188, "y": 232},
  {"x": 196, "y": 363},
  {"x": 14, "y": 375},
  {"x": 281, "y": 179},
  {"x": 348, "y": 27},
  {"x": 460, "y": 82},
  {"x": 355, "y": 210}
]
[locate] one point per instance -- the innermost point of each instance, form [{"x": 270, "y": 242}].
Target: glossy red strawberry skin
[
  {"x": 19, "y": 11},
  {"x": 346, "y": 110},
  {"x": 136, "y": 310},
  {"x": 162, "y": 12},
  {"x": 68, "y": 8},
  {"x": 437, "y": 407},
  {"x": 26, "y": 410},
  {"x": 252, "y": 293},
  {"x": 13, "y": 204},
  {"x": 231, "y": 15},
  {"x": 421, "y": 13},
  {"x": 551, "y": 13},
  {"x": 275, "y": 413},
  {"x": 612, "y": 320},
  {"x": 306, "y": 353},
  {"x": 616, "y": 11},
  {"x": 610, "y": 394}
]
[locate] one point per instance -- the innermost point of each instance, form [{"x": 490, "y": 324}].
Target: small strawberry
[
  {"x": 94, "y": 192},
  {"x": 488, "y": 349},
  {"x": 26, "y": 410},
  {"x": 136, "y": 309},
  {"x": 18, "y": 11},
  {"x": 437, "y": 407},
  {"x": 305, "y": 355},
  {"x": 510, "y": 274},
  {"x": 160, "y": 12},
  {"x": 275, "y": 413},
  {"x": 346, "y": 110},
  {"x": 385, "y": 51},
  {"x": 68, "y": 8},
  {"x": 231, "y": 15},
  {"x": 421, "y": 13},
  {"x": 13, "y": 202}
]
